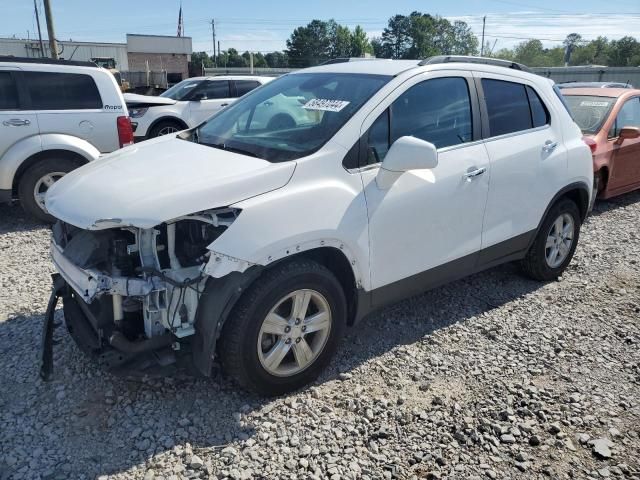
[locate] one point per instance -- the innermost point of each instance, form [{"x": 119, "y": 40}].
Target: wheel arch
[
  {"x": 221, "y": 295},
  {"x": 578, "y": 192},
  {"x": 36, "y": 157},
  {"x": 167, "y": 118}
]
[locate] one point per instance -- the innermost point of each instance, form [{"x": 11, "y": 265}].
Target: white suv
[
  {"x": 259, "y": 245},
  {"x": 187, "y": 103},
  {"x": 54, "y": 117}
]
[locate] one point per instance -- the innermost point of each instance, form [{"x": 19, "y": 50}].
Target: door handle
[
  {"x": 224, "y": 105},
  {"x": 16, "y": 122},
  {"x": 549, "y": 146},
  {"x": 474, "y": 172}
]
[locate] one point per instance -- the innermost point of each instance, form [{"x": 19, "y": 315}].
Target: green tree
[
  {"x": 624, "y": 52},
  {"x": 309, "y": 45},
  {"x": 201, "y": 58},
  {"x": 360, "y": 44},
  {"x": 277, "y": 59},
  {"x": 395, "y": 41}
]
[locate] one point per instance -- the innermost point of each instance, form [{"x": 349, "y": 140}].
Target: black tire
[
  {"x": 164, "y": 124},
  {"x": 535, "y": 263},
  {"x": 238, "y": 342},
  {"x": 31, "y": 177}
]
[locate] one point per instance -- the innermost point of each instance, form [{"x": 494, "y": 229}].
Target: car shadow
[
  {"x": 14, "y": 219},
  {"x": 85, "y": 408},
  {"x": 604, "y": 206}
]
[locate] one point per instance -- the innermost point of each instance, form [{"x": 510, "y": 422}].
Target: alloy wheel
[
  {"x": 559, "y": 240},
  {"x": 294, "y": 333},
  {"x": 42, "y": 186}
]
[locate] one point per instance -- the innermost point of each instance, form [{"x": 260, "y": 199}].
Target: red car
[{"x": 610, "y": 121}]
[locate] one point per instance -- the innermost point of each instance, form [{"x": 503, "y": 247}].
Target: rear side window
[
  {"x": 245, "y": 86},
  {"x": 507, "y": 106},
  {"x": 8, "y": 92},
  {"x": 62, "y": 91},
  {"x": 539, "y": 113}
]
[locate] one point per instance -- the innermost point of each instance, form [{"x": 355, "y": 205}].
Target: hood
[
  {"x": 158, "y": 180},
  {"x": 133, "y": 99}
]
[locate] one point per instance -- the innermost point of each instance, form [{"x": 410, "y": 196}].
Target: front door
[
  {"x": 16, "y": 123},
  {"x": 625, "y": 158},
  {"x": 426, "y": 228},
  {"x": 209, "y": 98}
]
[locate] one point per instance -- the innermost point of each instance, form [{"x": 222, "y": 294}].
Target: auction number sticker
[
  {"x": 588, "y": 103},
  {"x": 325, "y": 105}
]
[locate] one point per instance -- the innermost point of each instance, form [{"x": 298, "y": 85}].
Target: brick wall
[{"x": 171, "y": 62}]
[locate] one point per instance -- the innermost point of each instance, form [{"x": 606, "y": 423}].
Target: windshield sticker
[
  {"x": 589, "y": 103},
  {"x": 325, "y": 105}
]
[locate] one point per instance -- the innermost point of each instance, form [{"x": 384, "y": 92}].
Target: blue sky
[{"x": 265, "y": 25}]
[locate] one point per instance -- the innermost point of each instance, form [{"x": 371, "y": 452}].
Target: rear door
[
  {"x": 528, "y": 159},
  {"x": 210, "y": 97},
  {"x": 71, "y": 104},
  {"x": 16, "y": 121},
  {"x": 625, "y": 159},
  {"x": 242, "y": 87}
]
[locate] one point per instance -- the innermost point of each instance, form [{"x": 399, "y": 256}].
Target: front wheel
[
  {"x": 285, "y": 329},
  {"x": 37, "y": 180},
  {"x": 555, "y": 242}
]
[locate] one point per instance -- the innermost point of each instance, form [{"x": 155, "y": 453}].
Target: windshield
[
  {"x": 290, "y": 117},
  {"x": 181, "y": 90},
  {"x": 589, "y": 112}
]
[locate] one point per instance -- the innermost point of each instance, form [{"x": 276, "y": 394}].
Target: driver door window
[
  {"x": 628, "y": 116},
  {"x": 437, "y": 110}
]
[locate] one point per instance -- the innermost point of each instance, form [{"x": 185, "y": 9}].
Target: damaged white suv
[{"x": 258, "y": 243}]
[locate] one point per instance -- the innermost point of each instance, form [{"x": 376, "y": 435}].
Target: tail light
[
  {"x": 125, "y": 131},
  {"x": 591, "y": 143}
]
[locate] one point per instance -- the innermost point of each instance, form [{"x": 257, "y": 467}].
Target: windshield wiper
[{"x": 222, "y": 146}]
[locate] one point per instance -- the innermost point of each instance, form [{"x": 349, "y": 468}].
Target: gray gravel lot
[{"x": 494, "y": 376}]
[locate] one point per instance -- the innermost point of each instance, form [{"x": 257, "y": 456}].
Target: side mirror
[
  {"x": 627, "y": 133},
  {"x": 406, "y": 153}
]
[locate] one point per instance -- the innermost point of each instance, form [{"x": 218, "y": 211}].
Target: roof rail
[
  {"x": 469, "y": 59},
  {"x": 47, "y": 61},
  {"x": 331, "y": 61}
]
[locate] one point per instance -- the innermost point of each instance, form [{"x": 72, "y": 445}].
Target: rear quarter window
[{"x": 62, "y": 91}]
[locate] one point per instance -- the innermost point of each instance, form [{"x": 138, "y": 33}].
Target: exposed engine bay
[{"x": 138, "y": 289}]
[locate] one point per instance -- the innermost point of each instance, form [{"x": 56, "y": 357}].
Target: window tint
[
  {"x": 213, "y": 89},
  {"x": 628, "y": 116},
  {"x": 62, "y": 91},
  {"x": 438, "y": 111},
  {"x": 507, "y": 106},
  {"x": 8, "y": 92},
  {"x": 245, "y": 86},
  {"x": 539, "y": 113}
]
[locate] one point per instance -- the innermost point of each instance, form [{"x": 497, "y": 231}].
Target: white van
[{"x": 54, "y": 116}]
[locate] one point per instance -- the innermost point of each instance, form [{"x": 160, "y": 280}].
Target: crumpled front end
[{"x": 134, "y": 292}]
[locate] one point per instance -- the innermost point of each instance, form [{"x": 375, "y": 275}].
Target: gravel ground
[{"x": 494, "y": 376}]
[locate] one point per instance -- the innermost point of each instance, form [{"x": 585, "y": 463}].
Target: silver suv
[{"x": 54, "y": 117}]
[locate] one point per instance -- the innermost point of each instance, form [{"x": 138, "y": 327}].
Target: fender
[
  {"x": 220, "y": 264},
  {"x": 27, "y": 147}
]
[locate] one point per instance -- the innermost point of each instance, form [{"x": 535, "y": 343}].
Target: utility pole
[
  {"x": 53, "y": 45},
  {"x": 213, "y": 31},
  {"x": 35, "y": 5},
  {"x": 251, "y": 61},
  {"x": 484, "y": 19}
]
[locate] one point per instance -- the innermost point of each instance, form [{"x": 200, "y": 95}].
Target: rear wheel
[
  {"x": 165, "y": 127},
  {"x": 285, "y": 329},
  {"x": 36, "y": 181},
  {"x": 555, "y": 242}
]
